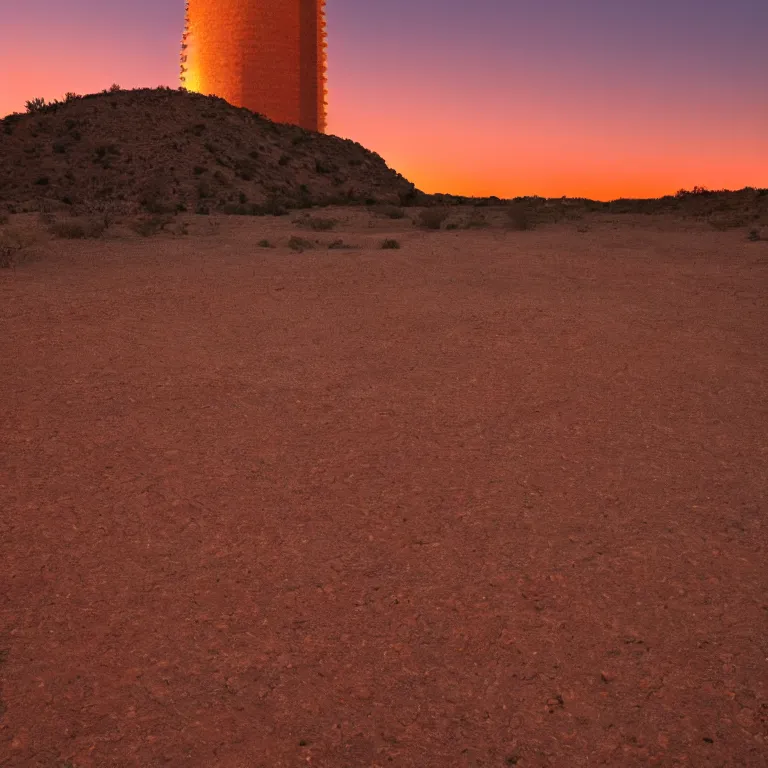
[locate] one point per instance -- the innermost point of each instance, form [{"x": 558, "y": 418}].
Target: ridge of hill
[{"x": 165, "y": 150}]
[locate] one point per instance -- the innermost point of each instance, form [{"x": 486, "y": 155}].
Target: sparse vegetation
[
  {"x": 433, "y": 218},
  {"x": 391, "y": 212},
  {"x": 79, "y": 229},
  {"x": 35, "y": 105},
  {"x": 390, "y": 244},
  {"x": 12, "y": 242},
  {"x": 724, "y": 222},
  {"x": 754, "y": 235},
  {"x": 265, "y": 244},
  {"x": 519, "y": 218},
  {"x": 476, "y": 220},
  {"x": 68, "y": 230},
  {"x": 150, "y": 225},
  {"x": 317, "y": 223},
  {"x": 8, "y": 252},
  {"x": 339, "y": 245},
  {"x": 156, "y": 137},
  {"x": 299, "y": 244}
]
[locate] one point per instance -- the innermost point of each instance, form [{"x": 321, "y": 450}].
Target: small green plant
[
  {"x": 390, "y": 244},
  {"x": 433, "y": 218}
]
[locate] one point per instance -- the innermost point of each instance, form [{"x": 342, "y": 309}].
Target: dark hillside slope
[{"x": 165, "y": 150}]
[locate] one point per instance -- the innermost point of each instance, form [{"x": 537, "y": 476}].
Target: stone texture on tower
[{"x": 266, "y": 55}]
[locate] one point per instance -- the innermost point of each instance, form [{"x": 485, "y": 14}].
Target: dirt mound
[{"x": 165, "y": 150}]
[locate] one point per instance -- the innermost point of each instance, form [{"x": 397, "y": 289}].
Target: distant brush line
[{"x": 269, "y": 56}]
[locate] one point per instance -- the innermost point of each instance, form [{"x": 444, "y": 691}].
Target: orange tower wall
[{"x": 266, "y": 55}]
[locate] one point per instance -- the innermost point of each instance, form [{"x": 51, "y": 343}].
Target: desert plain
[{"x": 491, "y": 498}]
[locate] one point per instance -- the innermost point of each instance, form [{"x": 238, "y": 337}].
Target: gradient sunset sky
[{"x": 593, "y": 98}]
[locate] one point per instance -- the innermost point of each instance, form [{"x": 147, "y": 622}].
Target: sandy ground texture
[{"x": 494, "y": 498}]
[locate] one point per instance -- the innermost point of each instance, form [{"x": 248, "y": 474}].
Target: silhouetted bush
[{"x": 35, "y": 105}]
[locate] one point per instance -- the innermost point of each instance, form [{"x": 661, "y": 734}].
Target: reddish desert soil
[{"x": 495, "y": 498}]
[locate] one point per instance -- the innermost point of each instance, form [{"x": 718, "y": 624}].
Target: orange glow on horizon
[{"x": 566, "y": 127}]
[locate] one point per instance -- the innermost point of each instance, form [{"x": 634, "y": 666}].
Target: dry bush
[
  {"x": 725, "y": 222},
  {"x": 432, "y": 218},
  {"x": 299, "y": 244},
  {"x": 155, "y": 196},
  {"x": 390, "y": 244},
  {"x": 317, "y": 223},
  {"x": 11, "y": 244},
  {"x": 152, "y": 225},
  {"x": 265, "y": 244},
  {"x": 391, "y": 212},
  {"x": 35, "y": 105},
  {"x": 519, "y": 218},
  {"x": 77, "y": 229},
  {"x": 754, "y": 236},
  {"x": 8, "y": 253},
  {"x": 476, "y": 220}
]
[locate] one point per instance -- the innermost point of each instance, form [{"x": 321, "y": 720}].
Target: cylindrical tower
[{"x": 266, "y": 55}]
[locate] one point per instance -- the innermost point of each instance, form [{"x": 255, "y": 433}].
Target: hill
[{"x": 166, "y": 150}]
